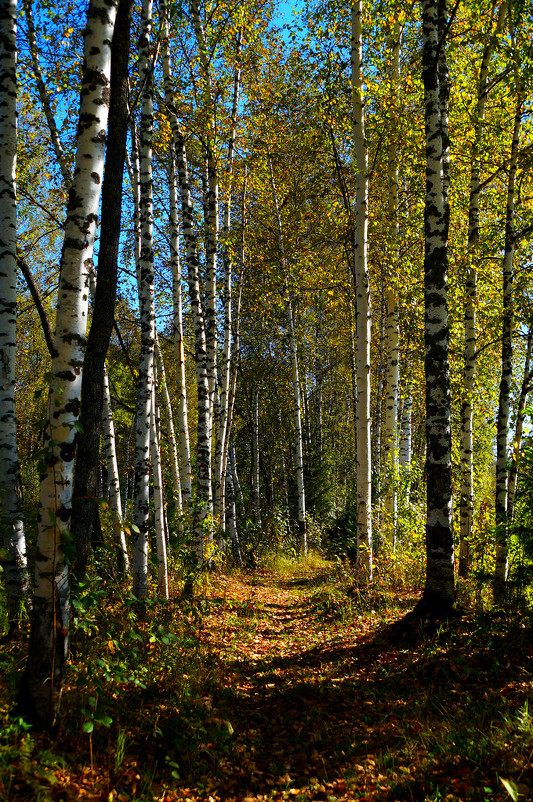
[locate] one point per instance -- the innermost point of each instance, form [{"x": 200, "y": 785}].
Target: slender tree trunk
[
  {"x": 204, "y": 493},
  {"x": 299, "y": 457},
  {"x": 173, "y": 448},
  {"x": 363, "y": 310},
  {"x": 223, "y": 421},
  {"x": 406, "y": 433},
  {"x": 179, "y": 349},
  {"x": 469, "y": 375},
  {"x": 439, "y": 592},
  {"x": 123, "y": 561},
  {"x": 159, "y": 504},
  {"x": 147, "y": 314},
  {"x": 45, "y": 97},
  {"x": 255, "y": 457},
  {"x": 11, "y": 515},
  {"x": 231, "y": 517},
  {"x": 520, "y": 417},
  {"x": 43, "y": 679},
  {"x": 392, "y": 383},
  {"x": 502, "y": 420}
]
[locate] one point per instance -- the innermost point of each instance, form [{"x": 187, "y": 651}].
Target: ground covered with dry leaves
[{"x": 281, "y": 686}]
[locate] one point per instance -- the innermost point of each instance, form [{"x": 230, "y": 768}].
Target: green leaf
[{"x": 88, "y": 727}]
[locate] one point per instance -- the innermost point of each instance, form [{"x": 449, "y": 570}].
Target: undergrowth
[{"x": 284, "y": 682}]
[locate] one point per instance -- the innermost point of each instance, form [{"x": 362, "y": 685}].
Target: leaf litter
[{"x": 296, "y": 698}]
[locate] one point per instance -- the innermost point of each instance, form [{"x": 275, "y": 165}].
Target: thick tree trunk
[
  {"x": 502, "y": 420},
  {"x": 363, "y": 310},
  {"x": 439, "y": 592},
  {"x": 85, "y": 521},
  {"x": 43, "y": 679},
  {"x": 11, "y": 516}
]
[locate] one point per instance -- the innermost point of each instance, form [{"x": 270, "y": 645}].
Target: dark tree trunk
[{"x": 85, "y": 522}]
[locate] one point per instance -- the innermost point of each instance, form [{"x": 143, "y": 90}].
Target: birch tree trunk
[
  {"x": 43, "y": 679},
  {"x": 392, "y": 382},
  {"x": 363, "y": 310},
  {"x": 439, "y": 592},
  {"x": 85, "y": 523},
  {"x": 173, "y": 448},
  {"x": 299, "y": 457},
  {"x": 204, "y": 494},
  {"x": 469, "y": 374},
  {"x": 224, "y": 405},
  {"x": 147, "y": 315},
  {"x": 179, "y": 349},
  {"x": 159, "y": 504},
  {"x": 520, "y": 417},
  {"x": 11, "y": 516},
  {"x": 502, "y": 420},
  {"x": 123, "y": 560},
  {"x": 256, "y": 496}
]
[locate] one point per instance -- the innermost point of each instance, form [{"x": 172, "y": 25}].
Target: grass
[{"x": 288, "y": 683}]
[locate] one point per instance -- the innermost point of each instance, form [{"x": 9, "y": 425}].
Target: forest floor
[{"x": 292, "y": 686}]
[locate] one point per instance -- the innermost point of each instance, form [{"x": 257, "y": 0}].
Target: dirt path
[{"x": 294, "y": 699}]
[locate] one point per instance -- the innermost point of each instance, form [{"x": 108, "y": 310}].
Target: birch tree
[
  {"x": 144, "y": 199},
  {"x": 502, "y": 419},
  {"x": 392, "y": 382},
  {"x": 43, "y": 679},
  {"x": 363, "y": 310},
  {"x": 470, "y": 349},
  {"x": 11, "y": 516},
  {"x": 439, "y": 591}
]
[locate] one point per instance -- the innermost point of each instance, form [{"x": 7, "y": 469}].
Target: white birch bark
[
  {"x": 43, "y": 679},
  {"x": 112, "y": 464},
  {"x": 519, "y": 428},
  {"x": 392, "y": 381},
  {"x": 439, "y": 592},
  {"x": 179, "y": 348},
  {"x": 406, "y": 433},
  {"x": 363, "y": 309},
  {"x": 223, "y": 416},
  {"x": 173, "y": 448},
  {"x": 502, "y": 421},
  {"x": 204, "y": 494},
  {"x": 11, "y": 515},
  {"x": 159, "y": 504},
  {"x": 256, "y": 496},
  {"x": 469, "y": 373},
  {"x": 115, "y": 503},
  {"x": 298, "y": 429},
  {"x": 147, "y": 314},
  {"x": 211, "y": 215}
]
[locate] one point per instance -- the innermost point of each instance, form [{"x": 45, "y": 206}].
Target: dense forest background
[{"x": 266, "y": 294}]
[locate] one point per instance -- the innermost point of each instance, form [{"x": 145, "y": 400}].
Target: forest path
[{"x": 301, "y": 690}]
